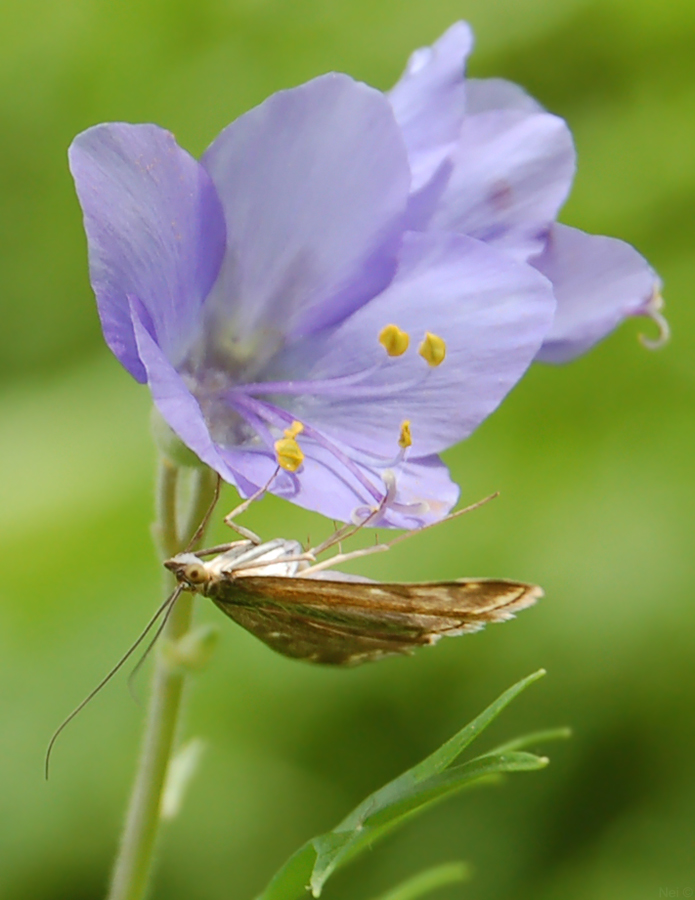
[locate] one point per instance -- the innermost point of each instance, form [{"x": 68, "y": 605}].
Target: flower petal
[
  {"x": 598, "y": 281},
  {"x": 155, "y": 230},
  {"x": 424, "y": 494},
  {"x": 314, "y": 182},
  {"x": 178, "y": 406},
  {"x": 486, "y": 94},
  {"x": 492, "y": 313},
  {"x": 512, "y": 171},
  {"x": 429, "y": 100}
]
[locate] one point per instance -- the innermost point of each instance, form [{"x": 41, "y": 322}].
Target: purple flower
[
  {"x": 340, "y": 289},
  {"x": 489, "y": 162}
]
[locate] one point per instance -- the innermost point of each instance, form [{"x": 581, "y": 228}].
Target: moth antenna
[
  {"x": 220, "y": 548},
  {"x": 166, "y": 605},
  {"x": 453, "y": 515},
  {"x": 139, "y": 664},
  {"x": 198, "y": 533},
  {"x": 367, "y": 551}
]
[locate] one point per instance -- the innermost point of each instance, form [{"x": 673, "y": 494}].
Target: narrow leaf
[
  {"x": 428, "y": 881},
  {"x": 338, "y": 847},
  {"x": 292, "y": 880},
  {"x": 429, "y": 781},
  {"x": 536, "y": 737},
  {"x": 439, "y": 760}
]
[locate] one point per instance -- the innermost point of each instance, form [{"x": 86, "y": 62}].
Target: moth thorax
[{"x": 277, "y": 557}]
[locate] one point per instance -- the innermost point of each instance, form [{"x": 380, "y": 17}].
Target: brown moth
[
  {"x": 306, "y": 610},
  {"x": 319, "y": 615}
]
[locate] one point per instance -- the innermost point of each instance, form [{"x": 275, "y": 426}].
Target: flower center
[{"x": 243, "y": 413}]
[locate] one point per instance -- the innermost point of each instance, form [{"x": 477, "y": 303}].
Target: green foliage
[
  {"x": 429, "y": 781},
  {"x": 428, "y": 881}
]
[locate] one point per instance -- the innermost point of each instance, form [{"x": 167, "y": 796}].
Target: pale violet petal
[
  {"x": 491, "y": 311},
  {"x": 429, "y": 100},
  {"x": 178, "y": 406},
  {"x": 598, "y": 282},
  {"x": 512, "y": 171},
  {"x": 424, "y": 491},
  {"x": 155, "y": 229},
  {"x": 485, "y": 94},
  {"x": 314, "y": 183}
]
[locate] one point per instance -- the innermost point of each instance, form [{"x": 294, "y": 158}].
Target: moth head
[{"x": 188, "y": 569}]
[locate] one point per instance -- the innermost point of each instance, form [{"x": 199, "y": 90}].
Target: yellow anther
[
  {"x": 289, "y": 454},
  {"x": 294, "y": 429},
  {"x": 393, "y": 340},
  {"x": 432, "y": 349},
  {"x": 406, "y": 438}
]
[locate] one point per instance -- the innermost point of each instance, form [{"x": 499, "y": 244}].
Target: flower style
[
  {"x": 488, "y": 161},
  {"x": 340, "y": 288}
]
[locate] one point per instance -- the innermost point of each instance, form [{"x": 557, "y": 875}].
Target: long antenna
[
  {"x": 146, "y": 652},
  {"x": 340, "y": 558},
  {"x": 165, "y": 607}
]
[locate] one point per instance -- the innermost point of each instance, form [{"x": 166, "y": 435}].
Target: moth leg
[
  {"x": 260, "y": 564},
  {"x": 453, "y": 515},
  {"x": 244, "y": 532},
  {"x": 243, "y": 506},
  {"x": 197, "y": 534}
]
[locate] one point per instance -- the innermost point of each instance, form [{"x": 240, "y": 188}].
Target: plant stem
[{"x": 134, "y": 861}]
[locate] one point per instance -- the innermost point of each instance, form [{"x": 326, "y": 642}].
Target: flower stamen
[
  {"x": 287, "y": 450},
  {"x": 432, "y": 349},
  {"x": 277, "y": 416},
  {"x": 294, "y": 429},
  {"x": 372, "y": 515},
  {"x": 394, "y": 341},
  {"x": 288, "y": 453},
  {"x": 406, "y": 439}
]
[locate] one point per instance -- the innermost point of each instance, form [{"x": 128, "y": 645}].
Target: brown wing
[{"x": 347, "y": 623}]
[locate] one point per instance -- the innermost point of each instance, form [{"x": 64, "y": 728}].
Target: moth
[{"x": 309, "y": 611}]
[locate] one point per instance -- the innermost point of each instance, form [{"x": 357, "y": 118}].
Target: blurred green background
[{"x": 594, "y": 462}]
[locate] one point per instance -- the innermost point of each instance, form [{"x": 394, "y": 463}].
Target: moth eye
[{"x": 195, "y": 573}]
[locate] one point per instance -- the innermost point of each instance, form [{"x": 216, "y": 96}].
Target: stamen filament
[{"x": 332, "y": 386}]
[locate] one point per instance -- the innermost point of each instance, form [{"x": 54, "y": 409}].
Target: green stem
[{"x": 134, "y": 862}]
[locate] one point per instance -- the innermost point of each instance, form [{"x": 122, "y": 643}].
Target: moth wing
[{"x": 347, "y": 622}]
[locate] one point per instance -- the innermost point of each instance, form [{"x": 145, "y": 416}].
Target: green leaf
[
  {"x": 429, "y": 781},
  {"x": 536, "y": 737},
  {"x": 440, "y": 759},
  {"x": 427, "y": 881}
]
